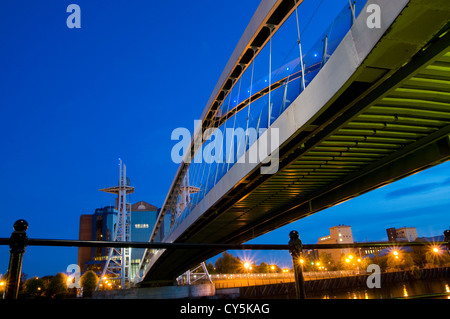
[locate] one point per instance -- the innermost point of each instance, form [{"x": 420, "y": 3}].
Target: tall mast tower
[{"x": 119, "y": 259}]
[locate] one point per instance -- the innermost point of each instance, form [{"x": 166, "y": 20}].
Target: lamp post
[{"x": 247, "y": 268}]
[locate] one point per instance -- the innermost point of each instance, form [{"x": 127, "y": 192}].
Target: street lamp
[
  {"x": 247, "y": 267},
  {"x": 395, "y": 252}
]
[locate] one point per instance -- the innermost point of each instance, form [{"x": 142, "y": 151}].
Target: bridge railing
[
  {"x": 19, "y": 241},
  {"x": 255, "y": 279}
]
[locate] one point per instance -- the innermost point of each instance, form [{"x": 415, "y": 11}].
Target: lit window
[{"x": 141, "y": 225}]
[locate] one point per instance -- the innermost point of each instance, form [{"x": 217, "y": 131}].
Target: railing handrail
[{"x": 162, "y": 245}]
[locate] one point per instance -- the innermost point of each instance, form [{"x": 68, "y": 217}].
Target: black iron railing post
[
  {"x": 17, "y": 244},
  {"x": 447, "y": 239},
  {"x": 295, "y": 248}
]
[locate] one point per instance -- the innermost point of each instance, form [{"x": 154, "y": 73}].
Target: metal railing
[
  {"x": 255, "y": 279},
  {"x": 19, "y": 241}
]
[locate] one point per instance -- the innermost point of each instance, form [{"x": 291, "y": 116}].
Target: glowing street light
[{"x": 395, "y": 252}]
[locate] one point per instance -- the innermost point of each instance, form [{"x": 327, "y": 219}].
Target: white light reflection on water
[{"x": 397, "y": 290}]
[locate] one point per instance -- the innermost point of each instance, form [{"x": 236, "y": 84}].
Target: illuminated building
[
  {"x": 408, "y": 234},
  {"x": 341, "y": 234},
  {"x": 100, "y": 226}
]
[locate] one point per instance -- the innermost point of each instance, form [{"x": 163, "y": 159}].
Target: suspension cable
[
  {"x": 234, "y": 124},
  {"x": 248, "y": 114},
  {"x": 270, "y": 77},
  {"x": 223, "y": 152},
  {"x": 300, "y": 48},
  {"x": 352, "y": 8},
  {"x": 250, "y": 101}
]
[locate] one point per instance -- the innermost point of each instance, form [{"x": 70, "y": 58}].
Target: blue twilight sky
[{"x": 72, "y": 101}]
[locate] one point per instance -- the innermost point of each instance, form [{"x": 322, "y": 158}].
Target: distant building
[
  {"x": 85, "y": 233},
  {"x": 392, "y": 235},
  {"x": 100, "y": 226},
  {"x": 143, "y": 219},
  {"x": 341, "y": 234},
  {"x": 371, "y": 251},
  {"x": 403, "y": 234}
]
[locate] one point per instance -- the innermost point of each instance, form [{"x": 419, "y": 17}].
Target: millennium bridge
[{"x": 323, "y": 116}]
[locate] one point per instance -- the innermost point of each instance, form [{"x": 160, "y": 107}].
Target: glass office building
[
  {"x": 100, "y": 226},
  {"x": 143, "y": 218}
]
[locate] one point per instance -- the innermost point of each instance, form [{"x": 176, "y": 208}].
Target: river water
[{"x": 436, "y": 288}]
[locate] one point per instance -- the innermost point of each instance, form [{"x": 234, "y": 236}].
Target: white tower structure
[{"x": 119, "y": 259}]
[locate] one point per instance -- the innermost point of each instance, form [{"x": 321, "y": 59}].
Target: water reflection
[
  {"x": 431, "y": 289},
  {"x": 405, "y": 292}
]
